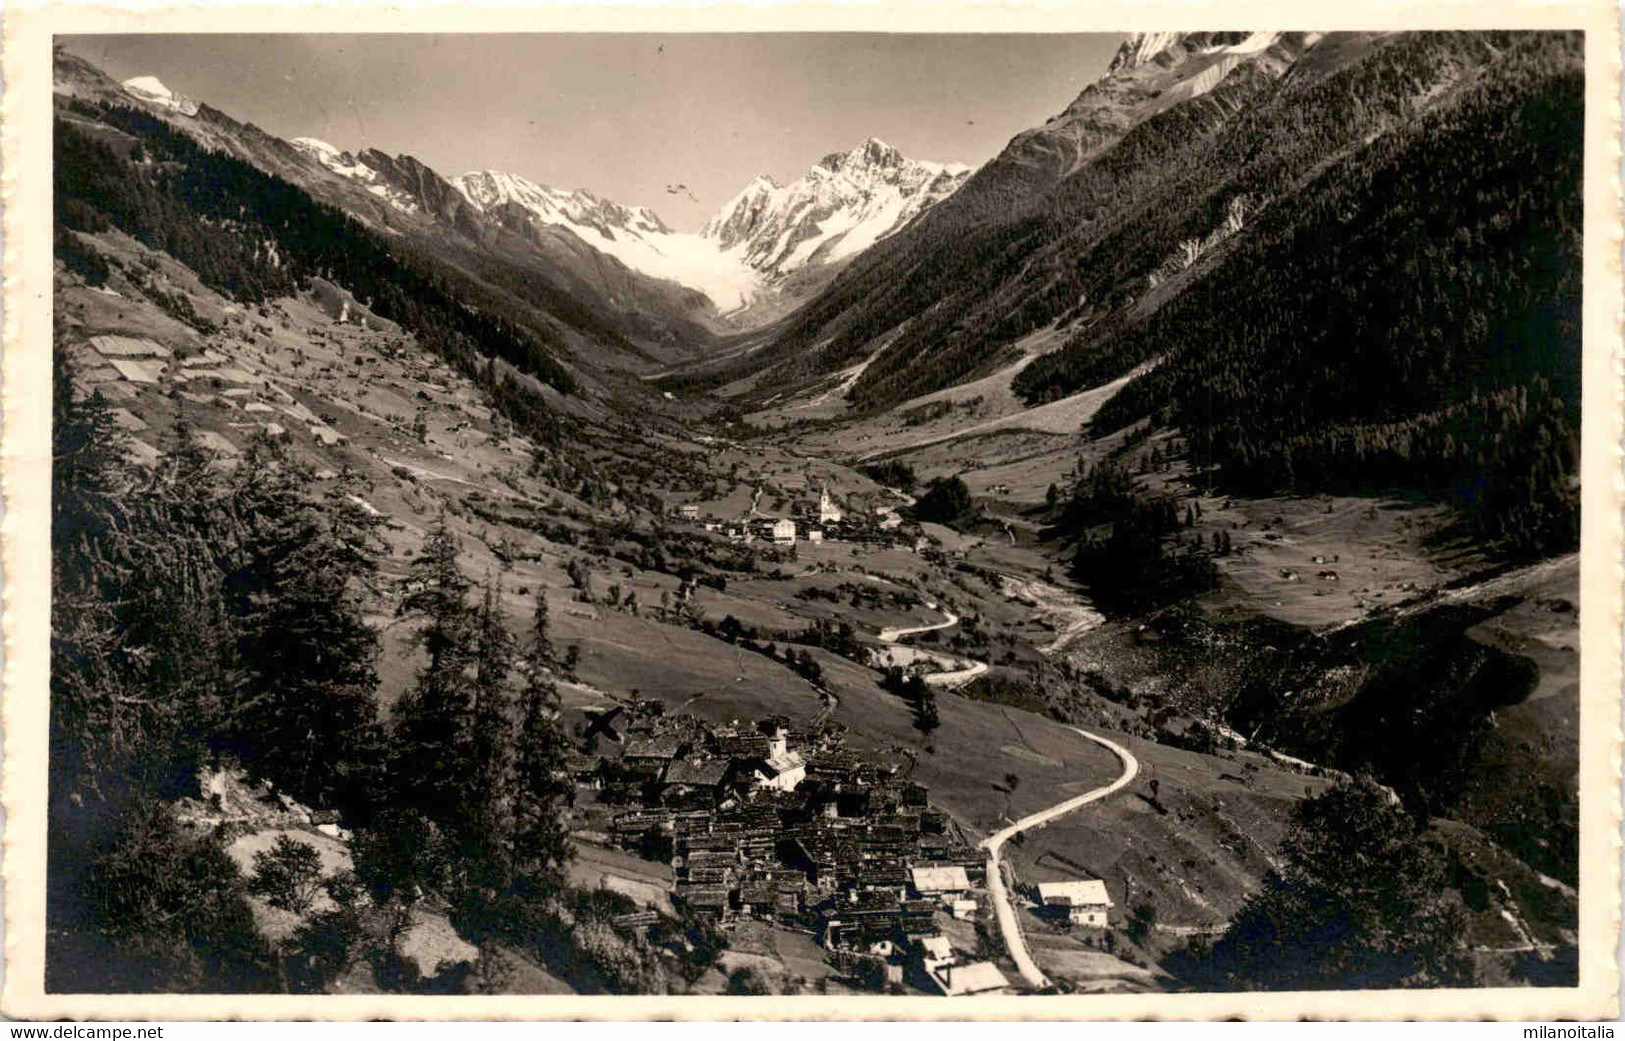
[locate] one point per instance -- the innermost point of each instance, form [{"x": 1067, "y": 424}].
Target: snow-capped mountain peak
[
  {"x": 846, "y": 203},
  {"x": 356, "y": 168},
  {"x": 1141, "y": 48},
  {"x": 872, "y": 154},
  {"x": 152, "y": 90},
  {"x": 634, "y": 235},
  {"x": 486, "y": 189}
]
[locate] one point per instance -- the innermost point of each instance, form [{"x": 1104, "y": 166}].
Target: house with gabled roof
[
  {"x": 963, "y": 980},
  {"x": 940, "y": 881},
  {"x": 692, "y": 782},
  {"x": 706, "y": 901},
  {"x": 781, "y": 772},
  {"x": 1084, "y": 901}
]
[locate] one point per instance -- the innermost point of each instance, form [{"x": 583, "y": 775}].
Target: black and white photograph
[{"x": 833, "y": 516}]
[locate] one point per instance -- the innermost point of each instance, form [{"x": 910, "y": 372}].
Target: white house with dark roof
[
  {"x": 782, "y": 771},
  {"x": 980, "y": 977},
  {"x": 1085, "y": 900}
]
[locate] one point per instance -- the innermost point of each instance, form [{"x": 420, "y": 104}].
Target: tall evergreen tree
[
  {"x": 306, "y": 716},
  {"x": 1362, "y": 900},
  {"x": 540, "y": 841},
  {"x": 434, "y": 722},
  {"x": 493, "y": 749},
  {"x": 541, "y": 640},
  {"x": 142, "y": 658}
]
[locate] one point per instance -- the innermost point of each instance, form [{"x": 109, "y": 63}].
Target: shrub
[{"x": 288, "y": 875}]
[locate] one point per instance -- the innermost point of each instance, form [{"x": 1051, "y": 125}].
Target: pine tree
[
  {"x": 540, "y": 786},
  {"x": 1362, "y": 900},
  {"x": 143, "y": 655},
  {"x": 434, "y": 723},
  {"x": 305, "y": 715},
  {"x": 436, "y": 594},
  {"x": 541, "y": 650},
  {"x": 493, "y": 736}
]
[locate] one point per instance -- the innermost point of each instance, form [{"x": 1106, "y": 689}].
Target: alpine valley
[{"x": 1147, "y": 562}]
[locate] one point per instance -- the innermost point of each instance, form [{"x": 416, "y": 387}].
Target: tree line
[
  {"x": 1129, "y": 551},
  {"x": 205, "y": 620},
  {"x": 1411, "y": 320}
]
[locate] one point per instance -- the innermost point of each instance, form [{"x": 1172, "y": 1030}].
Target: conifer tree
[
  {"x": 493, "y": 736},
  {"x": 305, "y": 716},
  {"x": 142, "y": 652},
  {"x": 434, "y": 723},
  {"x": 541, "y": 639},
  {"x": 540, "y": 787}
]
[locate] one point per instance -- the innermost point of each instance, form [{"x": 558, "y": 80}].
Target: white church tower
[{"x": 828, "y": 512}]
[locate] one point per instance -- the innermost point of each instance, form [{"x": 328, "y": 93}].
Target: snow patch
[
  {"x": 152, "y": 90},
  {"x": 348, "y": 166},
  {"x": 1253, "y": 44},
  {"x": 635, "y": 236},
  {"x": 149, "y": 85},
  {"x": 846, "y": 203}
]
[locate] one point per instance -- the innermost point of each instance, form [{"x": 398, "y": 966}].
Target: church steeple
[{"x": 828, "y": 512}]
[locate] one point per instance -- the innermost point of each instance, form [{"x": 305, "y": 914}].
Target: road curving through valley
[{"x": 1002, "y": 905}]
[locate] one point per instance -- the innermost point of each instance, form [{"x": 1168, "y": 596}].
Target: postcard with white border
[{"x": 808, "y": 512}]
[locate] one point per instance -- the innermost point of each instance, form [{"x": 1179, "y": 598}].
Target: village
[
  {"x": 826, "y": 520},
  {"x": 778, "y": 822}
]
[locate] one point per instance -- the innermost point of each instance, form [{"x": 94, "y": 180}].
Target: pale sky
[{"x": 627, "y": 115}]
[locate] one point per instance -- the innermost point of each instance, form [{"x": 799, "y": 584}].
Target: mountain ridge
[
  {"x": 845, "y": 203},
  {"x": 614, "y": 317}
]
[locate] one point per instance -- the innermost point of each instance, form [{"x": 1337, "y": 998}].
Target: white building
[
  {"x": 935, "y": 950},
  {"x": 1086, "y": 901},
  {"x": 981, "y": 977},
  {"x": 935, "y": 953},
  {"x": 783, "y": 770},
  {"x": 944, "y": 882},
  {"x": 828, "y": 512},
  {"x": 784, "y": 532}
]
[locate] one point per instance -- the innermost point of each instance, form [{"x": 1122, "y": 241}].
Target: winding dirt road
[
  {"x": 1013, "y": 940},
  {"x": 969, "y": 668},
  {"x": 893, "y": 635}
]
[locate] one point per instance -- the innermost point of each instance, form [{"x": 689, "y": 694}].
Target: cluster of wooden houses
[
  {"x": 783, "y": 823},
  {"x": 789, "y": 826}
]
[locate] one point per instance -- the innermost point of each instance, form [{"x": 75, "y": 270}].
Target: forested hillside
[
  {"x": 1353, "y": 263},
  {"x": 207, "y": 621},
  {"x": 1111, "y": 244},
  {"x": 1411, "y": 320},
  {"x": 1266, "y": 474},
  {"x": 582, "y": 301},
  {"x": 253, "y": 235}
]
